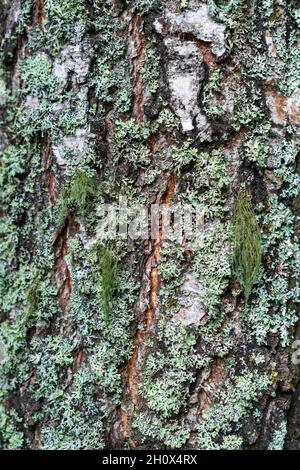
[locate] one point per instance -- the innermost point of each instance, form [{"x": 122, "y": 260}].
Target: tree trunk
[{"x": 156, "y": 342}]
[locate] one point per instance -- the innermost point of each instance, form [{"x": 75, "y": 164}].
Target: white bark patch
[
  {"x": 78, "y": 143},
  {"x": 271, "y": 46},
  {"x": 12, "y": 17},
  {"x": 60, "y": 71},
  {"x": 2, "y": 352},
  {"x": 293, "y": 110},
  {"x": 74, "y": 58},
  {"x": 32, "y": 102},
  {"x": 192, "y": 309},
  {"x": 2, "y": 92},
  {"x": 201, "y": 25},
  {"x": 185, "y": 72},
  {"x": 277, "y": 108}
]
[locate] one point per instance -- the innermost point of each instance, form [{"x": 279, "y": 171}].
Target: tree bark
[{"x": 155, "y": 343}]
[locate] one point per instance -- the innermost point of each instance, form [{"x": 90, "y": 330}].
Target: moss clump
[
  {"x": 79, "y": 192},
  {"x": 246, "y": 243},
  {"x": 109, "y": 265}
]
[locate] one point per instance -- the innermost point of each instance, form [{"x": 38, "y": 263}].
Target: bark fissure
[{"x": 147, "y": 328}]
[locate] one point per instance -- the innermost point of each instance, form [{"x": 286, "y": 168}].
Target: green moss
[
  {"x": 32, "y": 298},
  {"x": 79, "y": 192},
  {"x": 247, "y": 252},
  {"x": 109, "y": 264}
]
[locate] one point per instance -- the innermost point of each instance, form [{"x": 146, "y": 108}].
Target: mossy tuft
[
  {"x": 109, "y": 266},
  {"x": 247, "y": 251},
  {"x": 79, "y": 193}
]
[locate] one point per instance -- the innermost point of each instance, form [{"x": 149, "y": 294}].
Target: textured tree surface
[{"x": 135, "y": 343}]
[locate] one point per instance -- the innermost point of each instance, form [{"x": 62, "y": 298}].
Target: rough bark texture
[{"x": 164, "y": 102}]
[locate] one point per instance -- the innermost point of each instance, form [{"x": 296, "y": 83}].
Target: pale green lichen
[
  {"x": 278, "y": 437},
  {"x": 221, "y": 423},
  {"x": 36, "y": 73},
  {"x": 151, "y": 69}
]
